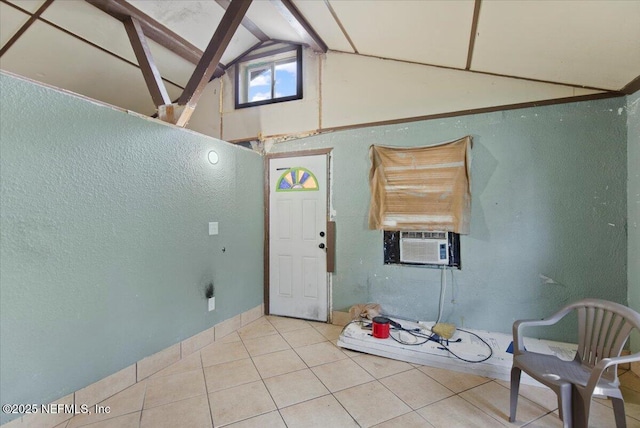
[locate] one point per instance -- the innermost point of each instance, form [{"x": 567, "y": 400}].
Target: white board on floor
[{"x": 468, "y": 347}]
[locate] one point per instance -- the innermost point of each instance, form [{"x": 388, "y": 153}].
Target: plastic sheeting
[{"x": 421, "y": 188}]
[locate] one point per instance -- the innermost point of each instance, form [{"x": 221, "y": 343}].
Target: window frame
[{"x": 272, "y": 63}]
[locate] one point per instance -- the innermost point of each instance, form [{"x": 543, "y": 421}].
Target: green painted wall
[
  {"x": 548, "y": 216},
  {"x": 633, "y": 202},
  {"x": 105, "y": 250}
]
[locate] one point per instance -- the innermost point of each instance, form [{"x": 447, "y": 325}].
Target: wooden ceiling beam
[
  {"x": 474, "y": 31},
  {"x": 179, "y": 114},
  {"x": 120, "y": 10},
  {"x": 293, "y": 16},
  {"x": 150, "y": 72},
  {"x": 246, "y": 23}
]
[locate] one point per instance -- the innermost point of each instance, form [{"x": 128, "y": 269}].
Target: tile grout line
[
  {"x": 312, "y": 372},
  {"x": 400, "y": 398},
  {"x": 261, "y": 380},
  {"x": 174, "y": 401},
  {"x": 384, "y": 377},
  {"x": 345, "y": 409},
  {"x": 327, "y": 388},
  {"x": 482, "y": 410},
  {"x": 393, "y": 393},
  {"x": 278, "y": 409},
  {"x": 536, "y": 419},
  {"x": 203, "y": 375},
  {"x": 459, "y": 392},
  {"x": 202, "y": 367},
  {"x": 206, "y": 388}
]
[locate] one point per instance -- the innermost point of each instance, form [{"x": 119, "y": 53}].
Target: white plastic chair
[{"x": 603, "y": 329}]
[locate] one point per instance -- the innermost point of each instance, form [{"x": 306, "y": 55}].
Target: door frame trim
[{"x": 267, "y": 194}]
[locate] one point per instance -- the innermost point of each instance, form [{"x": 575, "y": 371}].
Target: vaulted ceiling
[{"x": 82, "y": 46}]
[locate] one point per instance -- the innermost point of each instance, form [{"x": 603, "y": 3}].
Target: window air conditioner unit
[{"x": 424, "y": 248}]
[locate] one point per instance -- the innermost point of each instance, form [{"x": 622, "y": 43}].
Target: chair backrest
[{"x": 603, "y": 329}]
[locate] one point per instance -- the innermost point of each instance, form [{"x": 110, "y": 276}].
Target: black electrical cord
[
  {"x": 357, "y": 321},
  {"x": 445, "y": 347},
  {"x": 417, "y": 334},
  {"x": 427, "y": 339},
  {"x": 471, "y": 361}
]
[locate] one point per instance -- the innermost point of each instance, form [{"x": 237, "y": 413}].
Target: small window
[{"x": 269, "y": 78}]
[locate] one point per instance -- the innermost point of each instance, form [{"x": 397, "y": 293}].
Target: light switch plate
[
  {"x": 212, "y": 304},
  {"x": 213, "y": 228}
]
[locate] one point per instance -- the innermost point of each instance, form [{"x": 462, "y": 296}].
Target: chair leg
[
  {"x": 564, "y": 405},
  {"x": 580, "y": 408},
  {"x": 618, "y": 411},
  {"x": 515, "y": 387}
]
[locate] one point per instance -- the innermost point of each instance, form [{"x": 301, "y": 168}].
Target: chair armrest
[
  {"x": 604, "y": 363},
  {"x": 518, "y": 338}
]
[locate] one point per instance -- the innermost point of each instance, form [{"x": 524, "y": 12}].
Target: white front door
[{"x": 298, "y": 284}]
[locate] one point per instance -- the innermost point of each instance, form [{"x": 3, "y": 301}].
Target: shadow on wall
[{"x": 480, "y": 177}]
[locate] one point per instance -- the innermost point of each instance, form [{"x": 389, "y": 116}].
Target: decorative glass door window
[{"x": 297, "y": 179}]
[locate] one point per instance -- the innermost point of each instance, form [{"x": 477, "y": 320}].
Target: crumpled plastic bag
[{"x": 367, "y": 310}]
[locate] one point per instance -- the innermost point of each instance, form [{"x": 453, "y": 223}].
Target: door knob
[
  {"x": 322, "y": 234},
  {"x": 321, "y": 246}
]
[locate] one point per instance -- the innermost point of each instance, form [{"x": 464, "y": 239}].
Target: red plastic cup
[{"x": 380, "y": 327}]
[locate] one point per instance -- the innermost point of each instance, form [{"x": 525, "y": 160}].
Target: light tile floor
[{"x": 281, "y": 372}]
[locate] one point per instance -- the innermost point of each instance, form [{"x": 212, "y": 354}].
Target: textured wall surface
[
  {"x": 548, "y": 216},
  {"x": 633, "y": 204},
  {"x": 104, "y": 241}
]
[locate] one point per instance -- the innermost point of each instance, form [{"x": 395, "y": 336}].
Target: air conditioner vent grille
[
  {"x": 419, "y": 252},
  {"x": 424, "y": 247},
  {"x": 424, "y": 235}
]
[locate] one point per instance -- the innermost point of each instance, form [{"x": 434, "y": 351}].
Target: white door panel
[{"x": 298, "y": 285}]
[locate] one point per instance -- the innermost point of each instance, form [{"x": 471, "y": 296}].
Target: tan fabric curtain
[{"x": 421, "y": 188}]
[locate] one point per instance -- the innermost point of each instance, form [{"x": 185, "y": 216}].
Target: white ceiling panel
[
  {"x": 196, "y": 21},
  {"x": 591, "y": 43},
  {"x": 193, "y": 20},
  {"x": 240, "y": 43},
  {"x": 264, "y": 14},
  {"x": 173, "y": 91},
  {"x": 320, "y": 18},
  {"x": 170, "y": 65},
  {"x": 53, "y": 57},
  {"x": 91, "y": 23},
  {"x": 429, "y": 32},
  {"x": 12, "y": 20},
  {"x": 28, "y": 5},
  {"x": 353, "y": 94}
]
